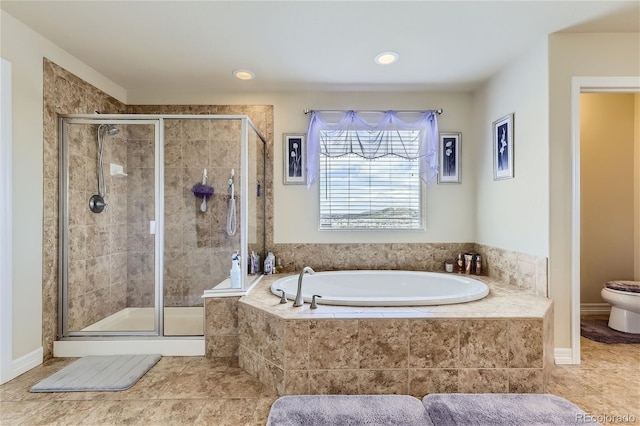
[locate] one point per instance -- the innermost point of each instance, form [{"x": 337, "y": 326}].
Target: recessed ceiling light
[
  {"x": 244, "y": 74},
  {"x": 386, "y": 58}
]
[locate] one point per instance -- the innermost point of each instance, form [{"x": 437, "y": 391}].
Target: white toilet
[{"x": 624, "y": 298}]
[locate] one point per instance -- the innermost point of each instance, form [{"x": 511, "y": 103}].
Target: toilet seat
[{"x": 626, "y": 286}]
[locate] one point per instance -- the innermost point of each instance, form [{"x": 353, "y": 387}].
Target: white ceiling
[{"x": 309, "y": 45}]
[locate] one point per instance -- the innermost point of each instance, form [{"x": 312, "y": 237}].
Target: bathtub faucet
[{"x": 299, "y": 301}]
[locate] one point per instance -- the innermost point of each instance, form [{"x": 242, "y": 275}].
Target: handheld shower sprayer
[
  {"x": 231, "y": 211},
  {"x": 231, "y": 184},
  {"x": 203, "y": 206}
]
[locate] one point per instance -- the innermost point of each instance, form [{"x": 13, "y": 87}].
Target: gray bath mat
[
  {"x": 599, "y": 331},
  {"x": 500, "y": 409},
  {"x": 348, "y": 410},
  {"x": 98, "y": 373}
]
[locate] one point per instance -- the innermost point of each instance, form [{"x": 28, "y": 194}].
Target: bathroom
[
  {"x": 399, "y": 250},
  {"x": 610, "y": 243},
  {"x": 479, "y": 213}
]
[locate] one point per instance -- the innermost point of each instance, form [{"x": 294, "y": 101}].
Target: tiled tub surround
[
  {"x": 527, "y": 272},
  {"x": 503, "y": 343},
  {"x": 221, "y": 326}
]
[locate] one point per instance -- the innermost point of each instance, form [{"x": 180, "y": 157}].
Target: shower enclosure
[{"x": 152, "y": 209}]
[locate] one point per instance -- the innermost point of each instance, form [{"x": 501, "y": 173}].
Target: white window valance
[{"x": 390, "y": 135}]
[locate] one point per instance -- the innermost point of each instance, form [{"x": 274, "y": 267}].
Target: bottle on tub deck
[
  {"x": 269, "y": 264},
  {"x": 255, "y": 263},
  {"x": 477, "y": 259},
  {"x": 235, "y": 273}
]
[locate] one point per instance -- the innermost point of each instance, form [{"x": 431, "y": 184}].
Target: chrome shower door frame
[{"x": 157, "y": 226}]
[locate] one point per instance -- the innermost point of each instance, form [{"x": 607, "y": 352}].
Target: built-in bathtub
[
  {"x": 383, "y": 288},
  {"x": 500, "y": 343}
]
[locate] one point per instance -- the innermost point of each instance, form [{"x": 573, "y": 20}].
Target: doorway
[{"x": 582, "y": 85}]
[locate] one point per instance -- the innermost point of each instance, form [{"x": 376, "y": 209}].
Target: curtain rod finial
[{"x": 306, "y": 111}]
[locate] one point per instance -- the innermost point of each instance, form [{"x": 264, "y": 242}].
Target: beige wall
[
  {"x": 513, "y": 214},
  {"x": 25, "y": 50},
  {"x": 636, "y": 191},
  {"x": 573, "y": 55},
  {"x": 607, "y": 187}
]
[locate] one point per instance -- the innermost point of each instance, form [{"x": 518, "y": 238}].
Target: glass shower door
[
  {"x": 200, "y": 156},
  {"x": 109, "y": 260}
]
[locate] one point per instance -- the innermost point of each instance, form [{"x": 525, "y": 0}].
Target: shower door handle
[{"x": 152, "y": 227}]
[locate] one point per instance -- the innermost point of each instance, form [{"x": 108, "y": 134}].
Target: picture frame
[
  {"x": 295, "y": 158},
  {"x": 449, "y": 151},
  {"x": 503, "y": 147}
]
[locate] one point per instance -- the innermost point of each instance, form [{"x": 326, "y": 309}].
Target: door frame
[
  {"x": 584, "y": 85},
  {"x": 6, "y": 236}
]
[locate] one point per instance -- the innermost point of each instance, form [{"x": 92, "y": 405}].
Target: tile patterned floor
[
  {"x": 199, "y": 391},
  {"x": 176, "y": 391}
]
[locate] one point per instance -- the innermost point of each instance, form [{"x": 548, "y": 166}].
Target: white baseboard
[
  {"x": 595, "y": 309},
  {"x": 27, "y": 362},
  {"x": 563, "y": 356}
]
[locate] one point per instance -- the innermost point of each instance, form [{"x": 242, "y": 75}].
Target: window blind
[{"x": 370, "y": 194}]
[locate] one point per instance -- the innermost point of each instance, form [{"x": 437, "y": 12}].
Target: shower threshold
[
  {"x": 178, "y": 321},
  {"x": 183, "y": 334}
]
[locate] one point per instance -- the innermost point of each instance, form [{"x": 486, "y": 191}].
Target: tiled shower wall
[
  {"x": 197, "y": 248},
  {"x": 97, "y": 241},
  {"x": 64, "y": 93},
  {"x": 138, "y": 205}
]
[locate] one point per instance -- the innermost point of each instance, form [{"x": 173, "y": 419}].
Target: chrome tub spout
[{"x": 299, "y": 301}]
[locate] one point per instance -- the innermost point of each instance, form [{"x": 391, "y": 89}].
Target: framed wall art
[
  {"x": 449, "y": 153},
  {"x": 295, "y": 151},
  {"x": 503, "y": 148}
]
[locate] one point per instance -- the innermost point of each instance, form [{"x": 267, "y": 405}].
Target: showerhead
[
  {"x": 109, "y": 129},
  {"x": 112, "y": 130}
]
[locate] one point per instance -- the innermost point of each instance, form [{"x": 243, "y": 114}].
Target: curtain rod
[{"x": 307, "y": 110}]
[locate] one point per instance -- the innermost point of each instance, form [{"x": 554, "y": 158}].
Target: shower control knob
[{"x": 96, "y": 203}]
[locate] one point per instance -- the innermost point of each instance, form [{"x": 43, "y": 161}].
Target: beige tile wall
[
  {"x": 524, "y": 271},
  {"x": 97, "y": 241},
  {"x": 197, "y": 248},
  {"x": 379, "y": 355},
  {"x": 138, "y": 205},
  {"x": 221, "y": 327},
  {"x": 64, "y": 93},
  {"x": 521, "y": 270}
]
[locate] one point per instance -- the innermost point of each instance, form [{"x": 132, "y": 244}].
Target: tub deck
[{"x": 502, "y": 343}]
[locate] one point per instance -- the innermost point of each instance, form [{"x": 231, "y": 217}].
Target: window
[
  {"x": 370, "y": 173},
  {"x": 380, "y": 193}
]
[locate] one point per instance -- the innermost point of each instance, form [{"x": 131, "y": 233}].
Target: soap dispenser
[{"x": 234, "y": 273}]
